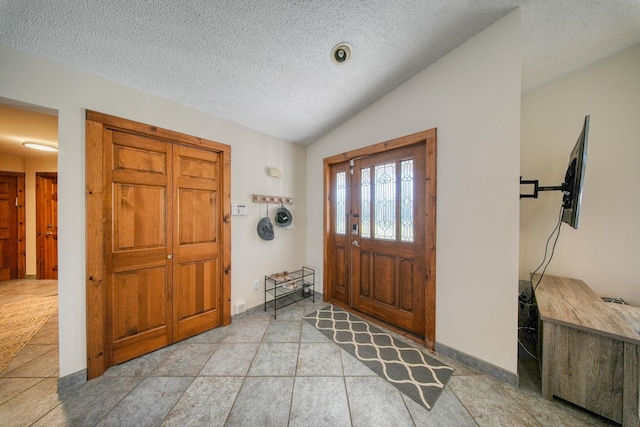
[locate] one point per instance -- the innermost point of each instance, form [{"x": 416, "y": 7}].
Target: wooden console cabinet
[{"x": 589, "y": 355}]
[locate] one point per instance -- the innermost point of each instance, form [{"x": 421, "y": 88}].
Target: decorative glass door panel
[{"x": 386, "y": 203}]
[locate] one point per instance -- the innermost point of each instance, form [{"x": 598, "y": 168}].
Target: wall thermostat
[{"x": 237, "y": 209}]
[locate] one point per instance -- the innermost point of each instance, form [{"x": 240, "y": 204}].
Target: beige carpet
[{"x": 19, "y": 322}]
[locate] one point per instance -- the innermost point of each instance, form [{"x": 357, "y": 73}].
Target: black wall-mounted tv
[{"x": 574, "y": 178}]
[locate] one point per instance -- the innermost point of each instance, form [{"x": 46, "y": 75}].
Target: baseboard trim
[
  {"x": 70, "y": 382},
  {"x": 260, "y": 307},
  {"x": 478, "y": 364}
]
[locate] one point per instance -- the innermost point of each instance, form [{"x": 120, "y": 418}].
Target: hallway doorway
[{"x": 25, "y": 300}]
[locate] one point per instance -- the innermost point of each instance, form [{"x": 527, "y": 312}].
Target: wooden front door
[
  {"x": 388, "y": 265},
  {"x": 165, "y": 241},
  {"x": 380, "y": 239},
  {"x": 47, "y": 225},
  {"x": 8, "y": 227}
]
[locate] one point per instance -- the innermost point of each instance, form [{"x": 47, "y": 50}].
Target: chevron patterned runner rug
[
  {"x": 417, "y": 375},
  {"x": 19, "y": 322}
]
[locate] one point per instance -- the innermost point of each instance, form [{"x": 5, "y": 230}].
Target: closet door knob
[{"x": 169, "y": 256}]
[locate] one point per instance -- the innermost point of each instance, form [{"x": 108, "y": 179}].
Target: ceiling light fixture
[
  {"x": 42, "y": 146},
  {"x": 341, "y": 53}
]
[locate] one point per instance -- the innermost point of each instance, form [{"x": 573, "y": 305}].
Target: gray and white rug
[{"x": 417, "y": 375}]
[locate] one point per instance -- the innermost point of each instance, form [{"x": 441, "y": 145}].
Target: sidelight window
[
  {"x": 406, "y": 197},
  {"x": 365, "y": 202},
  {"x": 341, "y": 203}
]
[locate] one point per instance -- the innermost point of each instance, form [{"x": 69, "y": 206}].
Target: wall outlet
[
  {"x": 240, "y": 307},
  {"x": 256, "y": 284}
]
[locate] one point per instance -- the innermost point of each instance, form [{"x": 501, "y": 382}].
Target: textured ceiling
[{"x": 266, "y": 64}]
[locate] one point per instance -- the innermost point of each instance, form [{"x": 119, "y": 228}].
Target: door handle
[
  {"x": 355, "y": 243},
  {"x": 48, "y": 233},
  {"x": 169, "y": 256}
]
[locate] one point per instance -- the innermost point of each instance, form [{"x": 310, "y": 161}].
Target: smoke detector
[{"x": 341, "y": 53}]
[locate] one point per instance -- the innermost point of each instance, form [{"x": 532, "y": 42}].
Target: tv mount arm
[{"x": 537, "y": 188}]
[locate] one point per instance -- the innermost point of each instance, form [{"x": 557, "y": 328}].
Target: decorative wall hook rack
[{"x": 279, "y": 200}]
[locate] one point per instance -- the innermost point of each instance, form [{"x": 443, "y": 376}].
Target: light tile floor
[{"x": 262, "y": 372}]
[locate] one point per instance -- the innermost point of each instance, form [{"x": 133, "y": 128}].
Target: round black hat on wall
[
  {"x": 283, "y": 217},
  {"x": 265, "y": 229}
]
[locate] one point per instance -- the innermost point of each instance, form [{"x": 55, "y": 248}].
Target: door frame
[
  {"x": 96, "y": 269},
  {"x": 40, "y": 255},
  {"x": 429, "y": 138},
  {"x": 21, "y": 217}
]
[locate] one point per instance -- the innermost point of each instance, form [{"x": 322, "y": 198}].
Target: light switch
[{"x": 273, "y": 172}]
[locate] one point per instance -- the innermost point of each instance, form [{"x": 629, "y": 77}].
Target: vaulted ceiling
[{"x": 266, "y": 64}]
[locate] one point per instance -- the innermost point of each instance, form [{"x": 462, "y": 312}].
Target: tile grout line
[
  {"x": 244, "y": 377},
  {"x": 346, "y": 392},
  {"x": 295, "y": 376},
  {"x": 463, "y": 405},
  {"x": 180, "y": 398}
]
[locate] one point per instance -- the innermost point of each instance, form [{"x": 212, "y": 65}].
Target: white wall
[
  {"x": 605, "y": 249},
  {"x": 37, "y": 81},
  {"x": 472, "y": 96}
]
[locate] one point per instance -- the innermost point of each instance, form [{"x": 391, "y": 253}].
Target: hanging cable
[
  {"x": 546, "y": 249},
  {"x": 530, "y": 323},
  {"x": 529, "y": 330}
]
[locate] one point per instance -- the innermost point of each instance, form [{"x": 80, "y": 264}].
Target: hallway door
[
  {"x": 12, "y": 226},
  {"x": 47, "y": 225},
  {"x": 8, "y": 227}
]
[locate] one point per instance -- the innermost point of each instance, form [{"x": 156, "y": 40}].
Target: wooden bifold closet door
[{"x": 161, "y": 273}]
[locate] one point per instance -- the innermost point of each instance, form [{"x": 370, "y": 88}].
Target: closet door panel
[
  {"x": 138, "y": 200},
  {"x": 198, "y": 275}
]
